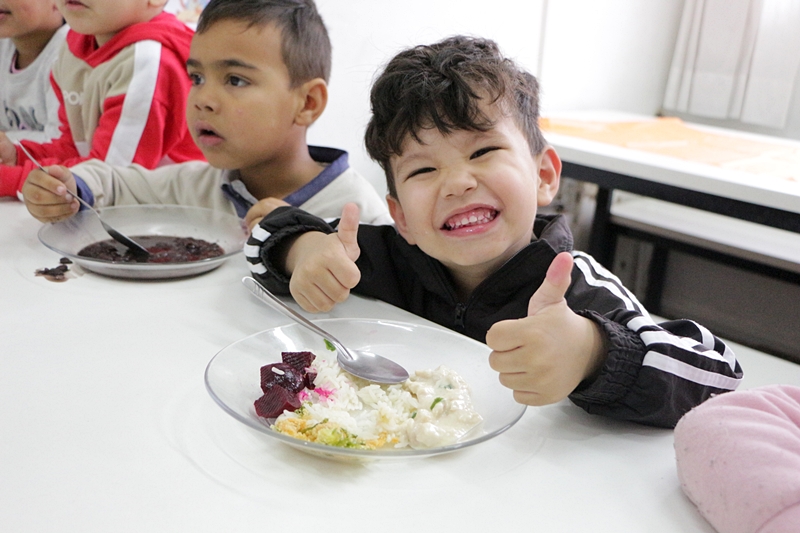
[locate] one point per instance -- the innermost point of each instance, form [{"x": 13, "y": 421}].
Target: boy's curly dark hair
[
  {"x": 305, "y": 45},
  {"x": 441, "y": 86}
]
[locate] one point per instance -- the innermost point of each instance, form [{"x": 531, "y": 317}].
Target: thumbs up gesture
[
  {"x": 543, "y": 357},
  {"x": 323, "y": 267}
]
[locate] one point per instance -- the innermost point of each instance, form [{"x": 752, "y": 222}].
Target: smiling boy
[
  {"x": 258, "y": 71},
  {"x": 455, "y": 128}
]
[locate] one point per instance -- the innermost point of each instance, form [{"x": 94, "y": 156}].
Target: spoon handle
[{"x": 273, "y": 301}]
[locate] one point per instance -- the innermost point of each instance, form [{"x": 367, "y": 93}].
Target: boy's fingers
[
  {"x": 555, "y": 284},
  {"x": 348, "y": 230},
  {"x": 60, "y": 173},
  {"x": 52, "y": 180}
]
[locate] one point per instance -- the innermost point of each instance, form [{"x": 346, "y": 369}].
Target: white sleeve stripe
[
  {"x": 258, "y": 268},
  {"x": 709, "y": 342},
  {"x": 614, "y": 287},
  {"x": 708, "y": 338},
  {"x": 638, "y": 323},
  {"x": 137, "y": 104},
  {"x": 662, "y": 337},
  {"x": 730, "y": 357},
  {"x": 689, "y": 372},
  {"x": 251, "y": 250},
  {"x": 260, "y": 234},
  {"x": 649, "y": 337}
]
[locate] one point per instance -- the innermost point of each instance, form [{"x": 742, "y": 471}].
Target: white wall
[
  {"x": 367, "y": 33},
  {"x": 610, "y": 54},
  {"x": 593, "y": 54}
]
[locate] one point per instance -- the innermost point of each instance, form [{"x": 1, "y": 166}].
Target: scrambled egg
[{"x": 326, "y": 432}]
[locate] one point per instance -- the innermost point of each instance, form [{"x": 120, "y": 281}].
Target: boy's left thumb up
[
  {"x": 555, "y": 284},
  {"x": 347, "y": 230}
]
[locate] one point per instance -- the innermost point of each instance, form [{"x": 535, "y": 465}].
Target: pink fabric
[{"x": 738, "y": 457}]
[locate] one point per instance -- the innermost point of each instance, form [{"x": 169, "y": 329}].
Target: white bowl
[
  {"x": 233, "y": 376},
  {"x": 72, "y": 235}
]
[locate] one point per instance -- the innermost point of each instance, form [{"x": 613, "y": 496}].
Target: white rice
[{"x": 432, "y": 408}]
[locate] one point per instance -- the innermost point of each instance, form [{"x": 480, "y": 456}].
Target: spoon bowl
[{"x": 362, "y": 364}]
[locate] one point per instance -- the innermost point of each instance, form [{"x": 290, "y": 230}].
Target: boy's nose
[
  {"x": 202, "y": 99},
  {"x": 458, "y": 182}
]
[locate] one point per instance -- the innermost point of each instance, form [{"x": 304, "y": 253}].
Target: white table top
[
  {"x": 105, "y": 425},
  {"x": 756, "y": 189}
]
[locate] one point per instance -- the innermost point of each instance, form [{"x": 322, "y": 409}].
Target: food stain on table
[{"x": 57, "y": 274}]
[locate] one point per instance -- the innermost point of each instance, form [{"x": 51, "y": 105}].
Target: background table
[
  {"x": 105, "y": 425},
  {"x": 759, "y": 198}
]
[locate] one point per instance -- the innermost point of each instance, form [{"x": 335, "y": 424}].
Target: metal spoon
[
  {"x": 133, "y": 246},
  {"x": 365, "y": 365}
]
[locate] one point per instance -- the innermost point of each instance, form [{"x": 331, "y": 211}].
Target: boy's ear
[
  {"x": 160, "y": 4},
  {"x": 396, "y": 211},
  {"x": 549, "y": 176},
  {"x": 314, "y": 94}
]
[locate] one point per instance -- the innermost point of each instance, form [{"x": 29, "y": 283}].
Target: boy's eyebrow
[
  {"x": 224, "y": 63},
  {"x": 406, "y": 160}
]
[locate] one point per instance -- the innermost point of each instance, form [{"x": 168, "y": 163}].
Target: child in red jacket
[{"x": 122, "y": 85}]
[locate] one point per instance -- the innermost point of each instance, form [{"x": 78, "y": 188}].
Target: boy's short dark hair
[
  {"x": 441, "y": 86},
  {"x": 305, "y": 46}
]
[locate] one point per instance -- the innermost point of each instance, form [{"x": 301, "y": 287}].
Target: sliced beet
[
  {"x": 282, "y": 374},
  {"x": 275, "y": 401},
  {"x": 309, "y": 380},
  {"x": 299, "y": 360}
]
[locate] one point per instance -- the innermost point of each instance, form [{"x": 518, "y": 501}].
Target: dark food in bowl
[
  {"x": 282, "y": 381},
  {"x": 163, "y": 249}
]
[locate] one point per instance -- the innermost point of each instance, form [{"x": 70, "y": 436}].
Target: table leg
[{"x": 602, "y": 241}]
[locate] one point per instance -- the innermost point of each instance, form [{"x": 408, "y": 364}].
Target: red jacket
[{"x": 124, "y": 102}]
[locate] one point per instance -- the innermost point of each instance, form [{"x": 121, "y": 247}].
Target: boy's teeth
[{"x": 479, "y": 216}]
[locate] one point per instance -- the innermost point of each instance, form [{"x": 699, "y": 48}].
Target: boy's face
[
  {"x": 241, "y": 109},
  {"x": 22, "y": 17},
  {"x": 105, "y": 18},
  {"x": 469, "y": 199}
]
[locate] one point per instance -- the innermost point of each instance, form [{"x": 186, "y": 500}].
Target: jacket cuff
[
  {"x": 265, "y": 241},
  {"x": 83, "y": 191},
  {"x": 620, "y": 369}
]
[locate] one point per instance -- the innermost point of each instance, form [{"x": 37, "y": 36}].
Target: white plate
[
  {"x": 72, "y": 235},
  {"x": 233, "y": 375}
]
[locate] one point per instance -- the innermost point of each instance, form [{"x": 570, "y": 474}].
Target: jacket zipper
[{"x": 459, "y": 318}]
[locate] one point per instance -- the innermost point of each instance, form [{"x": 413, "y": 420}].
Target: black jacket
[{"x": 653, "y": 373}]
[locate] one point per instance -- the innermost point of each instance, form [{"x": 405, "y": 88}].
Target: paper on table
[{"x": 672, "y": 137}]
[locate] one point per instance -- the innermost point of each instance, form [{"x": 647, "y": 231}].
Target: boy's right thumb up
[
  {"x": 555, "y": 284},
  {"x": 348, "y": 231}
]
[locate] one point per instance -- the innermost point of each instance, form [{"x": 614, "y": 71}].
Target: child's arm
[
  {"x": 654, "y": 372},
  {"x": 323, "y": 267},
  {"x": 144, "y": 133},
  {"x": 144, "y": 118},
  {"x": 261, "y": 209},
  {"x": 546, "y": 355}
]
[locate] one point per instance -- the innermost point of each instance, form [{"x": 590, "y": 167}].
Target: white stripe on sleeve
[
  {"x": 258, "y": 268},
  {"x": 251, "y": 250},
  {"x": 137, "y": 104},
  {"x": 613, "y": 285},
  {"x": 661, "y": 336},
  {"x": 689, "y": 372},
  {"x": 260, "y": 234}
]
